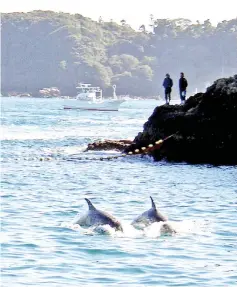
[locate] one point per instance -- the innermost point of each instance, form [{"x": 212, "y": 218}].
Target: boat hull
[{"x": 110, "y": 105}]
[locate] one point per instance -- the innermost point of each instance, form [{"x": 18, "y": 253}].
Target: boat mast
[{"x": 114, "y": 92}]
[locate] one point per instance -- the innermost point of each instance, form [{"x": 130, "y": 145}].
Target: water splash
[{"x": 155, "y": 230}]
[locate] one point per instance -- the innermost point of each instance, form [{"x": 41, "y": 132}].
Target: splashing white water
[{"x": 155, "y": 230}]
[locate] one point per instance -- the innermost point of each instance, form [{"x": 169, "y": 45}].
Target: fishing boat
[{"x": 91, "y": 99}]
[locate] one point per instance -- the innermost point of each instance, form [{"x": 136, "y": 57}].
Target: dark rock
[
  {"x": 204, "y": 127},
  {"x": 118, "y": 145}
]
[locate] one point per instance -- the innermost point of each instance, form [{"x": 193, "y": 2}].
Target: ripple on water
[{"x": 39, "y": 200}]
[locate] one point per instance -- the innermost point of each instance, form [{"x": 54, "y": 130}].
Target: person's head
[
  {"x": 167, "y": 75},
  {"x": 181, "y": 75}
]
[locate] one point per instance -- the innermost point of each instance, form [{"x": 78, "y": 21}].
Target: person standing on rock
[
  {"x": 168, "y": 84},
  {"x": 183, "y": 83}
]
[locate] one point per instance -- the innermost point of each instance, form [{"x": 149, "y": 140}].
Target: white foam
[
  {"x": 31, "y": 133},
  {"x": 155, "y": 230},
  {"x": 68, "y": 150}
]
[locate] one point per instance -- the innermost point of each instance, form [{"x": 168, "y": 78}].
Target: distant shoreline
[{"x": 67, "y": 97}]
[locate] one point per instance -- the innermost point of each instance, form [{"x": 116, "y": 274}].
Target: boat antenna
[{"x": 114, "y": 92}]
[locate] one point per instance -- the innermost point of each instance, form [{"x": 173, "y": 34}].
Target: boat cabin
[{"x": 88, "y": 93}]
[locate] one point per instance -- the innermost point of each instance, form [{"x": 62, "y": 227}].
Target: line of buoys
[
  {"x": 137, "y": 151},
  {"x": 150, "y": 147},
  {"x": 70, "y": 158}
]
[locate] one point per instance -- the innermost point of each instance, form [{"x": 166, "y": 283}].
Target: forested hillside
[{"x": 43, "y": 49}]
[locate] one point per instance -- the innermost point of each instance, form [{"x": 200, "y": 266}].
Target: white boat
[{"x": 91, "y": 99}]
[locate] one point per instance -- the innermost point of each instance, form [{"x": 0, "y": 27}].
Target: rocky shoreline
[
  {"x": 118, "y": 145},
  {"x": 204, "y": 128}
]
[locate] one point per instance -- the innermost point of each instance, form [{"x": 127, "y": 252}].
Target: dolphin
[
  {"x": 95, "y": 217},
  {"x": 149, "y": 216}
]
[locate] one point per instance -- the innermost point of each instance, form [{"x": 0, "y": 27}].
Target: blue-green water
[{"x": 39, "y": 200}]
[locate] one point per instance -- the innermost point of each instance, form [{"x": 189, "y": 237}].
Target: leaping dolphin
[
  {"x": 149, "y": 216},
  {"x": 95, "y": 217}
]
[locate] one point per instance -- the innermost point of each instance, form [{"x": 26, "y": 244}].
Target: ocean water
[{"x": 40, "y": 245}]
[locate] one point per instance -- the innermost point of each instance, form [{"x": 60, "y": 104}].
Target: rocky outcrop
[
  {"x": 204, "y": 127},
  {"x": 118, "y": 145},
  {"x": 49, "y": 92}
]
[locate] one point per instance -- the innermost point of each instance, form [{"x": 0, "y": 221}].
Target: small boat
[{"x": 91, "y": 99}]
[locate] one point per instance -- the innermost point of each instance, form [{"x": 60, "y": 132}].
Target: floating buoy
[
  {"x": 137, "y": 150},
  {"x": 143, "y": 148},
  {"x": 150, "y": 145},
  {"x": 159, "y": 142}
]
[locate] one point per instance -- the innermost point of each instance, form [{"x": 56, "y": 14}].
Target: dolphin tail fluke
[
  {"x": 90, "y": 205},
  {"x": 152, "y": 203}
]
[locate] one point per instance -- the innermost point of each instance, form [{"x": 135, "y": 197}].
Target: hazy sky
[{"x": 135, "y": 12}]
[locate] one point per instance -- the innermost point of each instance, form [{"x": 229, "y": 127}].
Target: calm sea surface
[{"x": 39, "y": 200}]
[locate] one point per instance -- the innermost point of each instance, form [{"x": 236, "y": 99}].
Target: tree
[
  {"x": 123, "y": 22},
  {"x": 142, "y": 28},
  {"x": 100, "y": 20},
  {"x": 143, "y": 72},
  {"x": 129, "y": 62},
  {"x": 151, "y": 22},
  {"x": 48, "y": 49}
]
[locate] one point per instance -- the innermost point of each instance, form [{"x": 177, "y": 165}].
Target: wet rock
[
  {"x": 204, "y": 127},
  {"x": 118, "y": 145},
  {"x": 50, "y": 92}
]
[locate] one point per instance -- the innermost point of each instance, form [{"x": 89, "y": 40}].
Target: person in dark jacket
[
  {"x": 168, "y": 84},
  {"x": 183, "y": 83}
]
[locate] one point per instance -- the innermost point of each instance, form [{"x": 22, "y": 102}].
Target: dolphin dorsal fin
[
  {"x": 152, "y": 203},
  {"x": 90, "y": 205}
]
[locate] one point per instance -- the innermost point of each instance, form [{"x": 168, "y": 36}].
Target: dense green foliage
[{"x": 48, "y": 49}]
